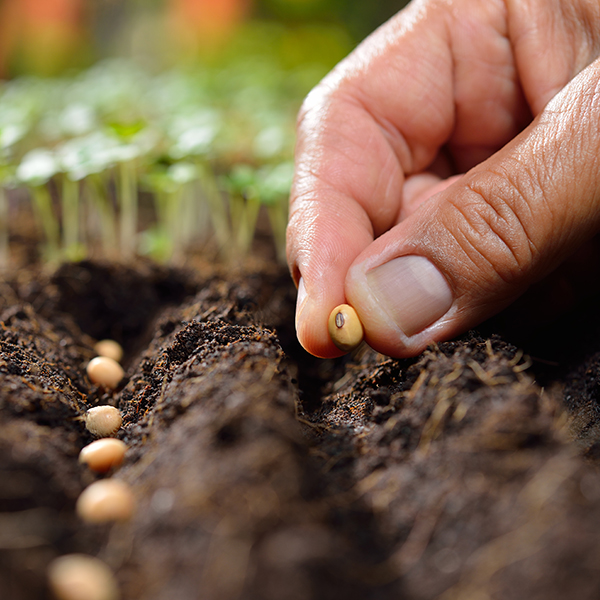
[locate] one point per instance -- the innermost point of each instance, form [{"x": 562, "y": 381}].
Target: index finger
[
  {"x": 351, "y": 161},
  {"x": 435, "y": 74}
]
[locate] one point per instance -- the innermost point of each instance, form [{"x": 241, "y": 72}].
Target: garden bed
[{"x": 261, "y": 472}]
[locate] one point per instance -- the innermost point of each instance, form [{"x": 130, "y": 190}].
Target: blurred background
[
  {"x": 153, "y": 127},
  {"x": 49, "y": 37}
]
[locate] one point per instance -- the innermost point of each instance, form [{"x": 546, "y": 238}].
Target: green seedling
[
  {"x": 102, "y": 213},
  {"x": 275, "y": 182},
  {"x": 212, "y": 147},
  {"x": 126, "y": 154},
  {"x": 10, "y": 135},
  {"x": 4, "y": 233},
  {"x": 72, "y": 247},
  {"x": 128, "y": 205},
  {"x": 35, "y": 170},
  {"x": 244, "y": 204},
  {"x": 176, "y": 208},
  {"x": 6, "y": 180}
]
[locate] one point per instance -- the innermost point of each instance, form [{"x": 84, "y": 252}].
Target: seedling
[
  {"x": 72, "y": 248},
  {"x": 103, "y": 421},
  {"x": 35, "y": 170},
  {"x": 103, "y": 455},
  {"x": 4, "y": 233},
  {"x": 105, "y": 371},
  {"x": 128, "y": 207},
  {"x": 251, "y": 188},
  {"x": 106, "y": 500},
  {"x": 222, "y": 135},
  {"x": 345, "y": 329},
  {"x": 79, "y": 577}
]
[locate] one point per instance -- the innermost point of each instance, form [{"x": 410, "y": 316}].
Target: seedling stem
[
  {"x": 72, "y": 248},
  {"x": 42, "y": 202},
  {"x": 129, "y": 208},
  {"x": 4, "y": 248},
  {"x": 101, "y": 202}
]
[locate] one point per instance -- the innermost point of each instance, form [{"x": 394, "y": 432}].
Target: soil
[{"x": 260, "y": 472}]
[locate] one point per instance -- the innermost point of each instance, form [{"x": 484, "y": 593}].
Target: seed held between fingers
[
  {"x": 345, "y": 329},
  {"x": 81, "y": 577},
  {"x": 103, "y": 421},
  {"x": 105, "y": 500},
  {"x": 105, "y": 371},
  {"x": 102, "y": 455},
  {"x": 110, "y": 349}
]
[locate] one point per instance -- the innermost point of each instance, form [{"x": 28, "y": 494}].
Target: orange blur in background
[
  {"x": 45, "y": 37},
  {"x": 205, "y": 22},
  {"x": 40, "y": 36}
]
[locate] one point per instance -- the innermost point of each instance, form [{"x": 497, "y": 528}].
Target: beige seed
[
  {"x": 105, "y": 371},
  {"x": 105, "y": 500},
  {"x": 345, "y": 328},
  {"x": 81, "y": 577},
  {"x": 110, "y": 349},
  {"x": 103, "y": 455},
  {"x": 103, "y": 421}
]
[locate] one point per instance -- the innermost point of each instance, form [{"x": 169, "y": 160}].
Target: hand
[{"x": 452, "y": 160}]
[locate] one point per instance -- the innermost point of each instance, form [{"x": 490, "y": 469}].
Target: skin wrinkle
[
  {"x": 304, "y": 183},
  {"x": 469, "y": 248},
  {"x": 518, "y": 197},
  {"x": 558, "y": 128},
  {"x": 478, "y": 226},
  {"x": 513, "y": 231},
  {"x": 499, "y": 86},
  {"x": 308, "y": 212}
]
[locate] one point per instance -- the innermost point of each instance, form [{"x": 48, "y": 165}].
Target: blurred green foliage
[
  {"x": 357, "y": 17},
  {"x": 206, "y": 145},
  {"x": 205, "y": 138}
]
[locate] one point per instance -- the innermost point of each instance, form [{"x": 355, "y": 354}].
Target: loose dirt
[{"x": 262, "y": 473}]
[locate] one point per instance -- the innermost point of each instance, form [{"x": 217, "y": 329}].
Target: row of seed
[
  {"x": 78, "y": 576},
  {"x": 81, "y": 577}
]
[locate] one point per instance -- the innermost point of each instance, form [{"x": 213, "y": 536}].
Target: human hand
[{"x": 451, "y": 161}]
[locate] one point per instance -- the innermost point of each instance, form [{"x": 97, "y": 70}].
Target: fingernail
[
  {"x": 411, "y": 291},
  {"x": 300, "y": 299}
]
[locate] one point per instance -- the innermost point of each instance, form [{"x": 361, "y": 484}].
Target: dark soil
[{"x": 263, "y": 473}]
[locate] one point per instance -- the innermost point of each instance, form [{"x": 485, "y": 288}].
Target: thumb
[{"x": 473, "y": 248}]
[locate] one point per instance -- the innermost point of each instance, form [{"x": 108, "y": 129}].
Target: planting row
[{"x": 115, "y": 161}]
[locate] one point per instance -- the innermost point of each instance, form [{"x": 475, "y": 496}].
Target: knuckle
[{"x": 494, "y": 227}]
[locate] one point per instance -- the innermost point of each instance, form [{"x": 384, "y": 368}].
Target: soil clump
[{"x": 263, "y": 473}]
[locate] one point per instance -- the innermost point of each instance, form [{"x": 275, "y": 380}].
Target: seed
[
  {"x": 110, "y": 349},
  {"x": 105, "y": 371},
  {"x": 105, "y": 500},
  {"x": 81, "y": 577},
  {"x": 345, "y": 328},
  {"x": 103, "y": 421},
  {"x": 103, "y": 455}
]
